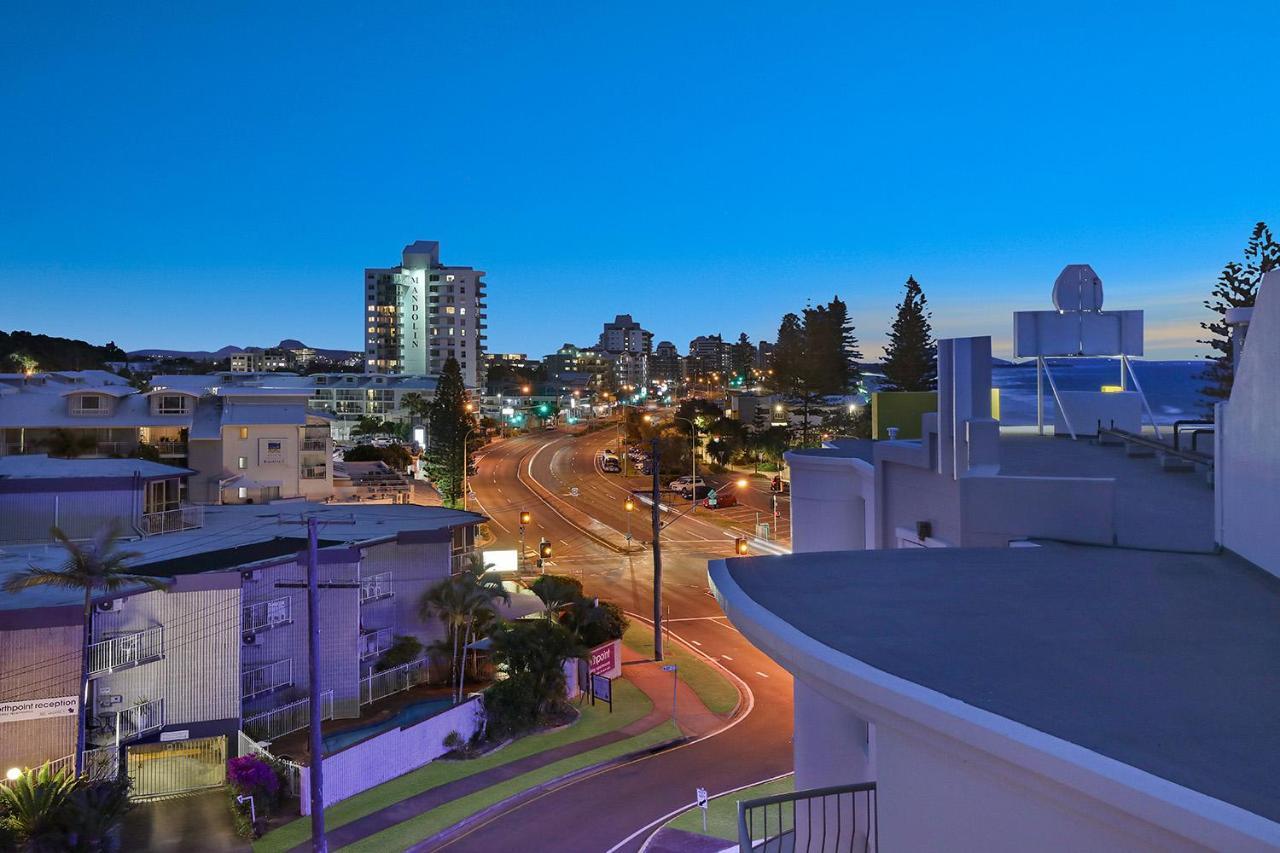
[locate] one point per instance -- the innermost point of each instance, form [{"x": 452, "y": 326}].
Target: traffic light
[
  {"x": 740, "y": 545},
  {"x": 525, "y": 517},
  {"x": 544, "y": 549},
  {"x": 630, "y": 504}
]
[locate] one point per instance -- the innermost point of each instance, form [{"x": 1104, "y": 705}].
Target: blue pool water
[{"x": 408, "y": 715}]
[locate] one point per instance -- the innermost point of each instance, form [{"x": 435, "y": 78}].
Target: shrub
[
  {"x": 595, "y": 623},
  {"x": 404, "y": 649},
  {"x": 251, "y": 775},
  {"x": 512, "y": 706}
]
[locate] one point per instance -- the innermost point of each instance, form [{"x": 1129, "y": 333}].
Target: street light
[
  {"x": 464, "y": 462},
  {"x": 13, "y": 774},
  {"x": 693, "y": 482},
  {"x": 629, "y": 505}
]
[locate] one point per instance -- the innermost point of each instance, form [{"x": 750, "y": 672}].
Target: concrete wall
[
  {"x": 1248, "y": 469},
  {"x": 39, "y": 659},
  {"x": 285, "y": 471},
  {"x": 394, "y": 753},
  {"x": 932, "y": 793},
  {"x": 909, "y": 494},
  {"x": 832, "y": 503}
]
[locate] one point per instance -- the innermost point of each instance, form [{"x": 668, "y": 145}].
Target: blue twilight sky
[{"x": 194, "y": 175}]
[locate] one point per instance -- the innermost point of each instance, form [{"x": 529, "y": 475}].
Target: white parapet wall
[{"x": 393, "y": 753}]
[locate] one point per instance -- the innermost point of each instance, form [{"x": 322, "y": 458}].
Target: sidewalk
[{"x": 694, "y": 719}]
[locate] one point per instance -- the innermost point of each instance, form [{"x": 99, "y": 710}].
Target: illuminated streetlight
[
  {"x": 12, "y": 774},
  {"x": 524, "y": 389},
  {"x": 742, "y": 482},
  {"x": 777, "y": 407}
]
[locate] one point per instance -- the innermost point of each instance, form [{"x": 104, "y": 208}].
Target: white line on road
[
  {"x": 726, "y": 657},
  {"x": 761, "y": 674}
]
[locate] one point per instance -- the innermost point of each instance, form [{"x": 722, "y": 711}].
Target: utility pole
[
  {"x": 657, "y": 556},
  {"x": 319, "y": 843}
]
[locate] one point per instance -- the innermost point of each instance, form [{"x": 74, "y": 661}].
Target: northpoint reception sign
[{"x": 38, "y": 709}]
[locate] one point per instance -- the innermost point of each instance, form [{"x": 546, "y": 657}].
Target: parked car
[
  {"x": 779, "y": 485},
  {"x": 723, "y": 499},
  {"x": 685, "y": 483}
]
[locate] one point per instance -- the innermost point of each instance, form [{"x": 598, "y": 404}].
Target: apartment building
[
  {"x": 1003, "y": 640},
  {"x": 176, "y": 673},
  {"x": 666, "y": 364},
  {"x": 708, "y": 354},
  {"x": 345, "y": 398},
  {"x": 421, "y": 313},
  {"x": 243, "y": 444},
  {"x": 249, "y": 361}
]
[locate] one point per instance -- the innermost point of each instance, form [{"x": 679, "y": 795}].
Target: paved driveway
[{"x": 193, "y": 823}]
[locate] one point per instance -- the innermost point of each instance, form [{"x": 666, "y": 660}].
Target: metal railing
[
  {"x": 115, "y": 448},
  {"x": 314, "y": 472},
  {"x": 265, "y": 615},
  {"x": 260, "y": 680},
  {"x": 188, "y": 517},
  {"x": 374, "y": 643},
  {"x": 98, "y": 764},
  {"x": 126, "y": 650},
  {"x": 841, "y": 819},
  {"x": 136, "y": 721},
  {"x": 315, "y": 444},
  {"x": 463, "y": 560},
  {"x": 292, "y": 771},
  {"x": 279, "y": 722},
  {"x": 375, "y": 587},
  {"x": 379, "y": 685},
  {"x": 171, "y": 448}
]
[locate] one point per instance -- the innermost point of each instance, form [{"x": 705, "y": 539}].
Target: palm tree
[
  {"x": 94, "y": 568},
  {"x": 465, "y": 603},
  {"x": 484, "y": 590},
  {"x": 447, "y": 601},
  {"x": 34, "y": 802},
  {"x": 69, "y": 443}
]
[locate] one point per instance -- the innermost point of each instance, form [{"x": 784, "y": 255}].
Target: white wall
[
  {"x": 831, "y": 498},
  {"x": 1248, "y": 469},
  {"x": 932, "y": 794},
  {"x": 393, "y": 753}
]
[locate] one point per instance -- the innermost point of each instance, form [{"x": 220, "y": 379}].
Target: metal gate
[{"x": 167, "y": 769}]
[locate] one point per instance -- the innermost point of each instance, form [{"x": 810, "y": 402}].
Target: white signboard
[
  {"x": 503, "y": 561},
  {"x": 270, "y": 451},
  {"x": 181, "y": 734},
  {"x": 38, "y": 709}
]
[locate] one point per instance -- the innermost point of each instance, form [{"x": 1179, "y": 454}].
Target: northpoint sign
[
  {"x": 38, "y": 709},
  {"x": 606, "y": 659}
]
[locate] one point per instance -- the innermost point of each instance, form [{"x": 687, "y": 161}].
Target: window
[
  {"x": 244, "y": 432},
  {"x": 242, "y": 462},
  {"x": 171, "y": 404},
  {"x": 86, "y": 404},
  {"x": 242, "y": 493}
]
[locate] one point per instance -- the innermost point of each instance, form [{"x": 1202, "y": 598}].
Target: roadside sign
[
  {"x": 602, "y": 689},
  {"x": 712, "y": 500},
  {"x": 669, "y": 668},
  {"x": 702, "y": 804}
]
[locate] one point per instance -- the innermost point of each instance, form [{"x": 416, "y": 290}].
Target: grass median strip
[
  {"x": 716, "y": 692},
  {"x": 630, "y": 705},
  {"x": 425, "y": 825},
  {"x": 722, "y": 812}
]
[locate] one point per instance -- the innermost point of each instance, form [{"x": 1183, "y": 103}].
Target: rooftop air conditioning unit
[
  {"x": 109, "y": 605},
  {"x": 246, "y": 575},
  {"x": 250, "y": 638}
]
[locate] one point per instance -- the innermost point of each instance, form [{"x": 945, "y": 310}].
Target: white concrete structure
[
  {"x": 421, "y": 313},
  {"x": 1027, "y": 642}
]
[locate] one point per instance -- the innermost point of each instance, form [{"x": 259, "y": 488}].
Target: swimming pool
[{"x": 408, "y": 715}]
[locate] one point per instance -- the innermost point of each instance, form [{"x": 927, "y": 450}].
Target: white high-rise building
[{"x": 420, "y": 313}]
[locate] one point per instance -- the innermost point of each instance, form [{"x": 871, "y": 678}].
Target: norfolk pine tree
[
  {"x": 911, "y": 357},
  {"x": 1237, "y": 287},
  {"x": 449, "y": 424}
]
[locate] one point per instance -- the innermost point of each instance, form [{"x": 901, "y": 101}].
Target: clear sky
[{"x": 194, "y": 175}]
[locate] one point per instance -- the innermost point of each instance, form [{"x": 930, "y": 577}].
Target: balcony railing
[
  {"x": 375, "y": 587},
  {"x": 279, "y": 722},
  {"x": 463, "y": 560},
  {"x": 314, "y": 472},
  {"x": 377, "y": 685},
  {"x": 315, "y": 444},
  {"x": 832, "y": 820},
  {"x": 125, "y": 651},
  {"x": 374, "y": 643},
  {"x": 171, "y": 448},
  {"x": 134, "y": 722},
  {"x": 265, "y": 615},
  {"x": 98, "y": 763},
  {"x": 174, "y": 520},
  {"x": 261, "y": 680}
]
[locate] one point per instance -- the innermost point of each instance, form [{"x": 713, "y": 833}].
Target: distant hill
[
  {"x": 51, "y": 353},
  {"x": 228, "y": 351}
]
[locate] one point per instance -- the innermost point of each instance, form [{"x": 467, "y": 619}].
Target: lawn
[
  {"x": 722, "y": 813},
  {"x": 427, "y": 824},
  {"x": 716, "y": 692},
  {"x": 630, "y": 705}
]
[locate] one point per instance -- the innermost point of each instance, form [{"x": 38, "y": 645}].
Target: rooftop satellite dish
[{"x": 1077, "y": 288}]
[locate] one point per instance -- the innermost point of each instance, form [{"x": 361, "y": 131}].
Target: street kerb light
[
  {"x": 740, "y": 545},
  {"x": 629, "y": 504},
  {"x": 525, "y": 518}
]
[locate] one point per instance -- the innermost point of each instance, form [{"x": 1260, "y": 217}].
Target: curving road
[{"x": 610, "y": 810}]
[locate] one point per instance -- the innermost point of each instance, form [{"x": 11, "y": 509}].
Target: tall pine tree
[
  {"x": 911, "y": 357},
  {"x": 1237, "y": 287},
  {"x": 816, "y": 357},
  {"x": 449, "y": 424}
]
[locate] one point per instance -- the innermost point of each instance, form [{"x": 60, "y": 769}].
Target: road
[{"x": 605, "y": 811}]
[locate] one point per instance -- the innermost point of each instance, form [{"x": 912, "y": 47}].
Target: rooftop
[
  {"x": 1163, "y": 661},
  {"x": 237, "y": 535},
  {"x": 37, "y": 466}
]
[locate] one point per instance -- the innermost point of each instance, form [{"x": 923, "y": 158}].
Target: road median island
[
  {"x": 486, "y": 779},
  {"x": 598, "y": 530},
  {"x": 717, "y": 692}
]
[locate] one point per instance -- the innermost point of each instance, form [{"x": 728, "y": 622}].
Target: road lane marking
[
  {"x": 761, "y": 674},
  {"x": 726, "y": 657}
]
